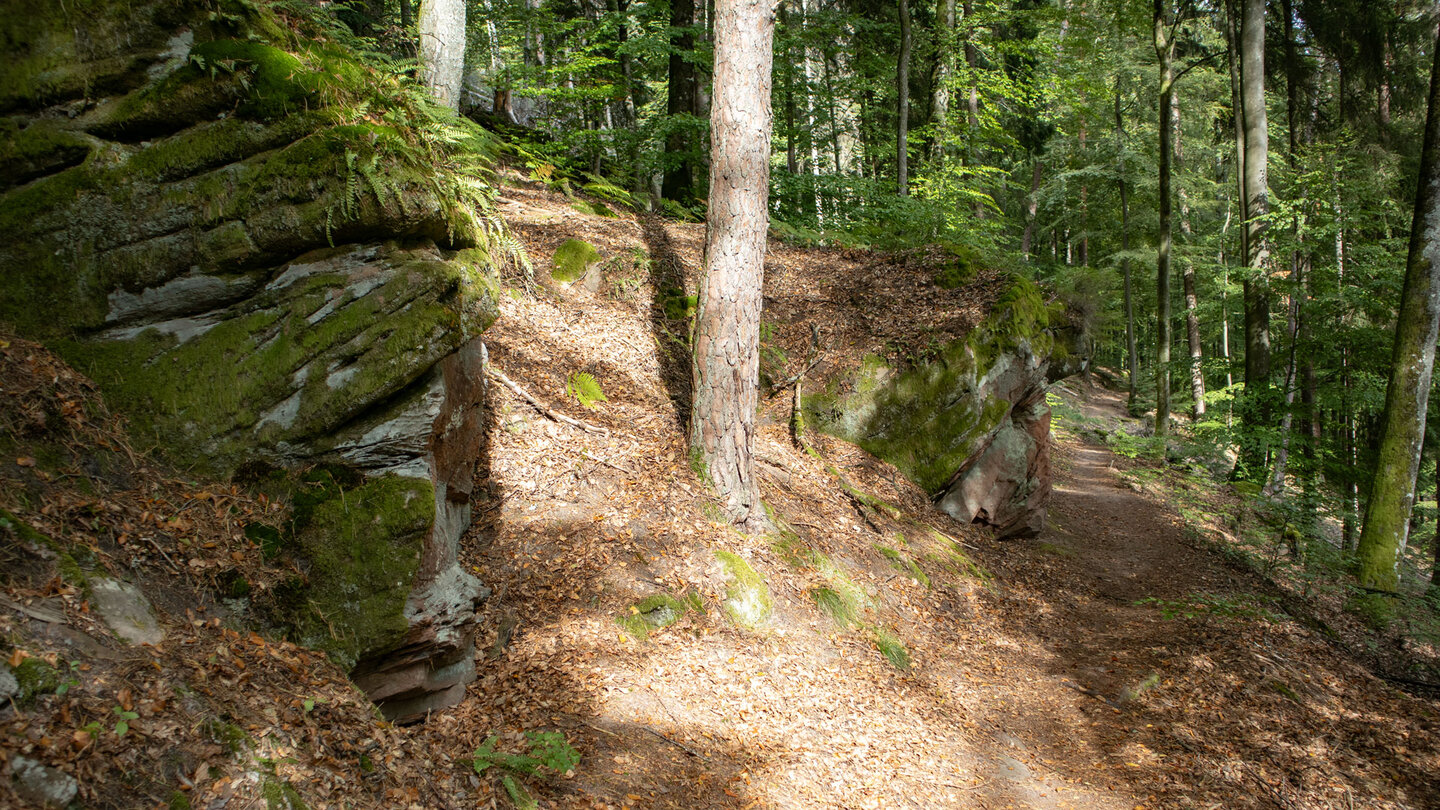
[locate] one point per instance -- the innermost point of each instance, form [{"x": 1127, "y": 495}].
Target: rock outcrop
[
  {"x": 972, "y": 427},
  {"x": 259, "y": 251}
]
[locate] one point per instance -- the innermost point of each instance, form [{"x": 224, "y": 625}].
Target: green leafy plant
[
  {"x": 122, "y": 726},
  {"x": 550, "y": 753},
  {"x": 585, "y": 388}
]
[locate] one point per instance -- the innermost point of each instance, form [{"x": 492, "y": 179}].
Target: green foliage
[
  {"x": 586, "y": 389},
  {"x": 549, "y": 753}
]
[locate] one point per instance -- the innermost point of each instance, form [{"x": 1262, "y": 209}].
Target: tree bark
[
  {"x": 442, "y": 49},
  {"x": 679, "y": 182},
  {"x": 1131, "y": 363},
  {"x": 902, "y": 120},
  {"x": 727, "y": 332},
  {"x": 1032, "y": 204},
  {"x": 944, "y": 76},
  {"x": 1165, "y": 50},
  {"x": 1187, "y": 282},
  {"x": 1402, "y": 434},
  {"x": 1258, "y": 411}
]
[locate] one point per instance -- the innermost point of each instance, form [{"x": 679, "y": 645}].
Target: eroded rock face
[
  {"x": 257, "y": 276},
  {"x": 972, "y": 427}
]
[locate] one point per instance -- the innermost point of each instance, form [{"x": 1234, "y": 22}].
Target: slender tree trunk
[
  {"x": 1402, "y": 433},
  {"x": 902, "y": 120},
  {"x": 1165, "y": 50},
  {"x": 1132, "y": 365},
  {"x": 727, "y": 330},
  {"x": 972, "y": 117},
  {"x": 1435, "y": 546},
  {"x": 407, "y": 14},
  {"x": 1032, "y": 204},
  {"x": 835, "y": 150},
  {"x": 792, "y": 161},
  {"x": 679, "y": 183},
  {"x": 1187, "y": 280},
  {"x": 944, "y": 76},
  {"x": 442, "y": 49}
]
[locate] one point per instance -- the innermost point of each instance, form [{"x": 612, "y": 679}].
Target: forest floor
[
  {"x": 1120, "y": 660},
  {"x": 1117, "y": 661}
]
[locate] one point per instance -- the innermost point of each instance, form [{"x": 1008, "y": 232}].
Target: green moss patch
[
  {"x": 656, "y": 612},
  {"x": 572, "y": 259},
  {"x": 903, "y": 563},
  {"x": 891, "y": 647},
  {"x": 747, "y": 598},
  {"x": 359, "y": 544},
  {"x": 35, "y": 678}
]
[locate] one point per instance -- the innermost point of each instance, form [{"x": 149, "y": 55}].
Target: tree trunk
[
  {"x": 679, "y": 182},
  {"x": 727, "y": 330},
  {"x": 1258, "y": 411},
  {"x": 972, "y": 118},
  {"x": 1165, "y": 50},
  {"x": 792, "y": 162},
  {"x": 1032, "y": 204},
  {"x": 442, "y": 49},
  {"x": 944, "y": 75},
  {"x": 902, "y": 121},
  {"x": 1187, "y": 280},
  {"x": 1402, "y": 433},
  {"x": 407, "y": 14},
  {"x": 1132, "y": 367}
]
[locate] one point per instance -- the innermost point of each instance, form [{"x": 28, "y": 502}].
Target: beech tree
[
  {"x": 727, "y": 327},
  {"x": 1402, "y": 437},
  {"x": 442, "y": 49}
]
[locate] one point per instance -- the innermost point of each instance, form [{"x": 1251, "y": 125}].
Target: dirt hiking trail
[{"x": 959, "y": 672}]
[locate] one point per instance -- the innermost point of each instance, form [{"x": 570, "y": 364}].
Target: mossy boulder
[
  {"x": 202, "y": 216},
  {"x": 747, "y": 597},
  {"x": 971, "y": 426},
  {"x": 572, "y": 259}
]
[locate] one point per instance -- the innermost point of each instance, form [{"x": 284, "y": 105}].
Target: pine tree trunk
[
  {"x": 442, "y": 49},
  {"x": 727, "y": 331},
  {"x": 1165, "y": 50},
  {"x": 902, "y": 120},
  {"x": 1402, "y": 433},
  {"x": 679, "y": 182}
]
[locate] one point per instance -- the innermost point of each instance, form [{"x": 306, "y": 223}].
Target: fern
[{"x": 585, "y": 388}]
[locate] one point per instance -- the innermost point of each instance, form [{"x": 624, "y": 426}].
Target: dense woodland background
[{"x": 1070, "y": 141}]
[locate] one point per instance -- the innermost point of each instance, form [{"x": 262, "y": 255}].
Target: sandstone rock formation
[
  {"x": 273, "y": 270},
  {"x": 972, "y": 427}
]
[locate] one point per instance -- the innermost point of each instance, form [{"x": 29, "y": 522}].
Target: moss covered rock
[
  {"x": 204, "y": 214},
  {"x": 572, "y": 259},
  {"x": 970, "y": 426}
]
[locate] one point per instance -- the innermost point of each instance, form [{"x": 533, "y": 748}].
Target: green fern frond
[{"x": 585, "y": 388}]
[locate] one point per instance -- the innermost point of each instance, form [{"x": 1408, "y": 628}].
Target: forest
[
  {"x": 720, "y": 404},
  {"x": 1267, "y": 155}
]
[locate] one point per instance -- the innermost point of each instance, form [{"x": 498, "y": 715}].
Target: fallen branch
[
  {"x": 35, "y": 613},
  {"x": 549, "y": 412}
]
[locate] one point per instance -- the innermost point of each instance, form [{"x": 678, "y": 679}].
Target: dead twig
[
  {"x": 609, "y": 464},
  {"x": 682, "y": 746},
  {"x": 542, "y": 407}
]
